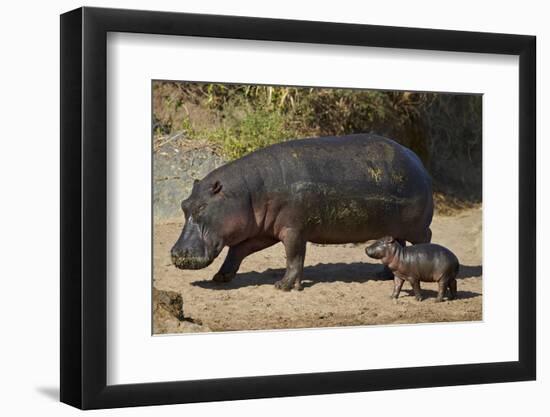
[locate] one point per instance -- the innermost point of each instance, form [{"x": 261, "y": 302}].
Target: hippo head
[
  {"x": 211, "y": 219},
  {"x": 382, "y": 247}
]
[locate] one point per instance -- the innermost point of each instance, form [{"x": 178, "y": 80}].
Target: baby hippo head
[{"x": 382, "y": 247}]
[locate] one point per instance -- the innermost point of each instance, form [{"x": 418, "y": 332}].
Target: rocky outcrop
[
  {"x": 174, "y": 170},
  {"x": 168, "y": 314}
]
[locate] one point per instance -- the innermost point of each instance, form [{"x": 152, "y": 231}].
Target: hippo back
[{"x": 340, "y": 186}]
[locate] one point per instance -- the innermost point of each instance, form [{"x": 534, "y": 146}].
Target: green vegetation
[
  {"x": 255, "y": 130},
  {"x": 443, "y": 129}
]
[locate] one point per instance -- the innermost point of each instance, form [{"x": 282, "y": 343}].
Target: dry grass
[{"x": 448, "y": 205}]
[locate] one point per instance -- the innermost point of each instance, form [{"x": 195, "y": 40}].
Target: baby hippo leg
[
  {"x": 397, "y": 285},
  {"x": 415, "y": 282},
  {"x": 443, "y": 283}
]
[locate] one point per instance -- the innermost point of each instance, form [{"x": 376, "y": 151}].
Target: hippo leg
[
  {"x": 442, "y": 288},
  {"x": 416, "y": 288},
  {"x": 397, "y": 285},
  {"x": 237, "y": 253},
  {"x": 295, "y": 249},
  {"x": 428, "y": 235},
  {"x": 452, "y": 289},
  {"x": 423, "y": 236}
]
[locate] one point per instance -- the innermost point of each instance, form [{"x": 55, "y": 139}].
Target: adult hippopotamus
[{"x": 328, "y": 190}]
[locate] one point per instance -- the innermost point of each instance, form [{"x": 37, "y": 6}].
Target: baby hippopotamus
[{"x": 422, "y": 262}]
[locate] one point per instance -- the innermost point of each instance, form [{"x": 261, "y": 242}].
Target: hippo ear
[{"x": 216, "y": 187}]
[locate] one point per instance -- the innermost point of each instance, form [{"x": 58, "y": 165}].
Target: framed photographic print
[{"x": 257, "y": 208}]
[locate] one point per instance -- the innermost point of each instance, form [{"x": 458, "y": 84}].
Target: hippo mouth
[
  {"x": 195, "y": 248},
  {"x": 191, "y": 262},
  {"x": 182, "y": 259}
]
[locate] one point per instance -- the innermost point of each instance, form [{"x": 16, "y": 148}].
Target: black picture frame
[{"x": 84, "y": 207}]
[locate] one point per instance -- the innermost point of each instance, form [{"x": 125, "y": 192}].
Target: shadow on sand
[
  {"x": 431, "y": 294},
  {"x": 469, "y": 271},
  {"x": 333, "y": 272}
]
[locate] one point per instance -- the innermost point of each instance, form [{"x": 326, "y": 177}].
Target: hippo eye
[{"x": 200, "y": 208}]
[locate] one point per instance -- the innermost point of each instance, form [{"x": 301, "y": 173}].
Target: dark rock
[
  {"x": 170, "y": 301},
  {"x": 174, "y": 171}
]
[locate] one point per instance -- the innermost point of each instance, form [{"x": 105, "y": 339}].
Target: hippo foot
[
  {"x": 418, "y": 298},
  {"x": 221, "y": 277},
  {"x": 285, "y": 285}
]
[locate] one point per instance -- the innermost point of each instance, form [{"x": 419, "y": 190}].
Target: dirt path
[{"x": 341, "y": 286}]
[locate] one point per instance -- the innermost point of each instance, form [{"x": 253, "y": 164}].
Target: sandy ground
[{"x": 342, "y": 286}]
